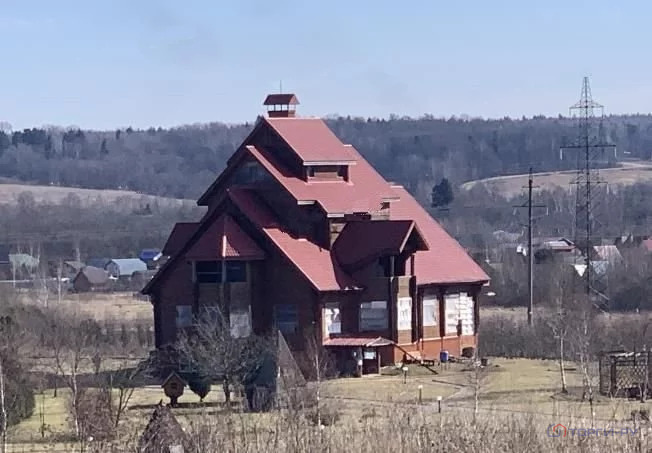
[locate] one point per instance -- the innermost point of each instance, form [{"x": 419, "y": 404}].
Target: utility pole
[{"x": 530, "y": 254}]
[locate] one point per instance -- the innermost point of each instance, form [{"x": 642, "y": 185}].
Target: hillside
[
  {"x": 415, "y": 152},
  {"x": 627, "y": 173},
  {"x": 10, "y": 193}
]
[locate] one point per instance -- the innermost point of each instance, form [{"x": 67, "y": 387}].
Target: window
[
  {"x": 459, "y": 310},
  {"x": 208, "y": 271},
  {"x": 249, "y": 173},
  {"x": 184, "y": 316},
  {"x": 430, "y": 309},
  {"x": 286, "y": 318},
  {"x": 236, "y": 271},
  {"x": 240, "y": 323},
  {"x": 404, "y": 305},
  {"x": 332, "y": 319},
  {"x": 465, "y": 313},
  {"x": 373, "y": 315},
  {"x": 450, "y": 306}
]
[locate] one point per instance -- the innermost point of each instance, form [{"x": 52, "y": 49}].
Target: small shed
[
  {"x": 91, "y": 279},
  {"x": 124, "y": 268},
  {"x": 72, "y": 268},
  {"x": 163, "y": 433}
]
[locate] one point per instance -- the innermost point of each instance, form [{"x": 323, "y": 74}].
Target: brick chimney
[{"x": 281, "y": 105}]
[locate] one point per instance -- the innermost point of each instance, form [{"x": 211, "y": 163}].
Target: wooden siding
[{"x": 176, "y": 289}]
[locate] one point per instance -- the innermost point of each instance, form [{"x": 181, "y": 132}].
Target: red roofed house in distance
[{"x": 302, "y": 234}]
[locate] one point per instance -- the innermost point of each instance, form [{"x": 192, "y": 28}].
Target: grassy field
[
  {"x": 512, "y": 185},
  {"x": 118, "y": 306},
  {"x": 55, "y": 194},
  {"x": 506, "y": 387}
]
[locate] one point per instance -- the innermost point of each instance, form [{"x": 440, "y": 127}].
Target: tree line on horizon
[{"x": 416, "y": 152}]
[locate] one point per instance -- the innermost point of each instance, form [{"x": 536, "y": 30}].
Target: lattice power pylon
[{"x": 590, "y": 148}]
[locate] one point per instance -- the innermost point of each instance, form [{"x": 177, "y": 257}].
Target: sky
[{"x": 103, "y": 64}]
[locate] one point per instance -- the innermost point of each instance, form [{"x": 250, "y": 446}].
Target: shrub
[{"x": 200, "y": 386}]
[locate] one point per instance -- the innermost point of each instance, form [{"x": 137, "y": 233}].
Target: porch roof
[{"x": 366, "y": 342}]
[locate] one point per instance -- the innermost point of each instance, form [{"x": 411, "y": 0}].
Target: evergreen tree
[{"x": 442, "y": 194}]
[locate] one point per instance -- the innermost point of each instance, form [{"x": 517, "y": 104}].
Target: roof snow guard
[{"x": 281, "y": 105}]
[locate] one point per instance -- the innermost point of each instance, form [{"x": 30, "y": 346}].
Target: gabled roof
[
  {"x": 127, "y": 266},
  {"x": 74, "y": 265},
  {"x": 94, "y": 275},
  {"x": 608, "y": 253},
  {"x": 363, "y": 241},
  {"x": 224, "y": 239},
  {"x": 98, "y": 262},
  {"x": 181, "y": 233},
  {"x": 311, "y": 140},
  {"x": 365, "y": 191},
  {"x": 445, "y": 261},
  {"x": 314, "y": 262},
  {"x": 281, "y": 99},
  {"x": 23, "y": 259}
]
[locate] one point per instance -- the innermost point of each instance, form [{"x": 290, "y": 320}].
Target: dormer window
[{"x": 327, "y": 172}]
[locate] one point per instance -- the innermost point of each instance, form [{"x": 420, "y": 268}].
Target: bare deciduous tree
[
  {"x": 73, "y": 342},
  {"x": 211, "y": 351}
]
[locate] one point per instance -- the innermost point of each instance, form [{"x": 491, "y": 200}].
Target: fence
[{"x": 625, "y": 374}]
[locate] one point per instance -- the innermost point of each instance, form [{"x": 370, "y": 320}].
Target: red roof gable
[
  {"x": 224, "y": 239},
  {"x": 362, "y": 241},
  {"x": 314, "y": 262},
  {"x": 446, "y": 261},
  {"x": 181, "y": 233},
  {"x": 364, "y": 192},
  {"x": 311, "y": 140}
]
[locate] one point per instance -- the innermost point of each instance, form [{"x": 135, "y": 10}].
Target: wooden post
[{"x": 612, "y": 376}]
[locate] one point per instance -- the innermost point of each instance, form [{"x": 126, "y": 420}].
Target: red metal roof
[
  {"x": 647, "y": 244},
  {"x": 362, "y": 241},
  {"x": 224, "y": 239},
  {"x": 446, "y": 261},
  {"x": 357, "y": 342},
  {"x": 314, "y": 262},
  {"x": 281, "y": 99},
  {"x": 364, "y": 192},
  {"x": 181, "y": 233},
  {"x": 311, "y": 140}
]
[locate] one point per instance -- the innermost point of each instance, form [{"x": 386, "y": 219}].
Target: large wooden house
[{"x": 303, "y": 235}]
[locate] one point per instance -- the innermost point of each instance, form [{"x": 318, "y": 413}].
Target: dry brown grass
[
  {"x": 120, "y": 307},
  {"x": 512, "y": 185},
  {"x": 55, "y": 195}
]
